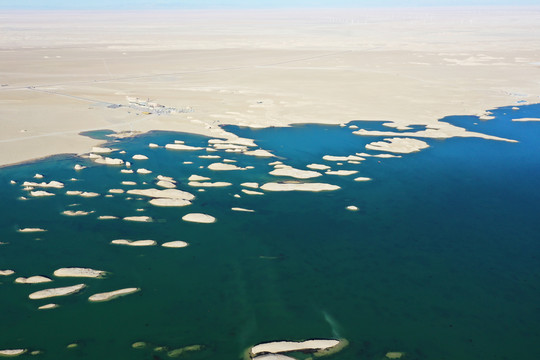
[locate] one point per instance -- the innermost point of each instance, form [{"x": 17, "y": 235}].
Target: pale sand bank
[
  {"x": 31, "y": 230},
  {"x": 88, "y": 194},
  {"x": 63, "y": 291},
  {"x": 139, "y": 157},
  {"x": 175, "y": 244},
  {"x": 289, "y": 346},
  {"x": 315, "y": 187},
  {"x": 6, "y": 272},
  {"x": 362, "y": 178},
  {"x": 134, "y": 242},
  {"x": 76, "y": 212},
  {"x": 143, "y": 171},
  {"x": 41, "y": 193},
  {"x": 284, "y": 170},
  {"x": 116, "y": 191},
  {"x": 164, "y": 194},
  {"x": 138, "y": 218},
  {"x": 352, "y": 208},
  {"x": 273, "y": 357},
  {"x": 341, "y": 172},
  {"x": 182, "y": 147},
  {"x": 199, "y": 218},
  {"x": 398, "y": 145},
  {"x": 209, "y": 184},
  {"x": 342, "y": 158},
  {"x": 318, "y": 167},
  {"x": 129, "y": 183},
  {"x": 12, "y": 352},
  {"x": 107, "y": 217},
  {"x": 50, "y": 184},
  {"x": 251, "y": 192},
  {"x": 251, "y": 185},
  {"x": 37, "y": 279},
  {"x": 107, "y": 296},
  {"x": 48, "y": 306},
  {"x": 126, "y": 171},
  {"x": 166, "y": 202},
  {"x": 394, "y": 355},
  {"x": 79, "y": 272},
  {"x": 108, "y": 161},
  {"x": 526, "y": 119},
  {"x": 241, "y": 209},
  {"x": 101, "y": 150},
  {"x": 166, "y": 184},
  {"x": 198, "y": 178},
  {"x": 224, "y": 167}
]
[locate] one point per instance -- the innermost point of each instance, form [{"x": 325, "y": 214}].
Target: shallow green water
[{"x": 440, "y": 262}]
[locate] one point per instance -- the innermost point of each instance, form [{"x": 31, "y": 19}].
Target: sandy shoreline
[{"x": 312, "y": 66}]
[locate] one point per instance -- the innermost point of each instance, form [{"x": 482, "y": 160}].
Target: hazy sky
[{"x": 235, "y": 4}]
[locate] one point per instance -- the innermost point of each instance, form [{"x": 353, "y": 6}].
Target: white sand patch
[
  {"x": 354, "y": 162},
  {"x": 288, "y": 346},
  {"x": 37, "y": 279},
  {"x": 175, "y": 244},
  {"x": 139, "y": 157},
  {"x": 251, "y": 192},
  {"x": 6, "y": 272},
  {"x": 362, "y": 178},
  {"x": 126, "y": 171},
  {"x": 166, "y": 184},
  {"x": 130, "y": 183},
  {"x": 101, "y": 150},
  {"x": 224, "y": 167},
  {"x": 73, "y": 192},
  {"x": 259, "y": 153},
  {"x": 153, "y": 146},
  {"x": 187, "y": 162},
  {"x": 315, "y": 187},
  {"x": 341, "y": 172},
  {"x": 236, "y": 141},
  {"x": 229, "y": 161},
  {"x": 112, "y": 294},
  {"x": 166, "y": 193},
  {"x": 51, "y": 184},
  {"x": 48, "y": 306},
  {"x": 63, "y": 291},
  {"x": 343, "y": 158},
  {"x": 169, "y": 202},
  {"x": 318, "y": 167},
  {"x": 108, "y": 161},
  {"x": 12, "y": 352},
  {"x": 79, "y": 167},
  {"x": 107, "y": 217},
  {"x": 38, "y": 176},
  {"x": 352, "y": 208},
  {"x": 31, "y": 230},
  {"x": 76, "y": 213},
  {"x": 116, "y": 191},
  {"x": 138, "y": 218},
  {"x": 182, "y": 147},
  {"x": 209, "y": 184},
  {"x": 199, "y": 218},
  {"x": 40, "y": 193},
  {"x": 89, "y": 194},
  {"x": 134, "y": 242},
  {"x": 241, "y": 209},
  {"x": 198, "y": 178},
  {"x": 143, "y": 171},
  {"x": 275, "y": 163},
  {"x": 251, "y": 185},
  {"x": 526, "y": 119},
  {"x": 165, "y": 178},
  {"x": 295, "y": 173},
  {"x": 398, "y": 145},
  {"x": 79, "y": 272},
  {"x": 209, "y": 156}
]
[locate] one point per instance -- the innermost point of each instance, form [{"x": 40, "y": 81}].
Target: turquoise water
[{"x": 440, "y": 262}]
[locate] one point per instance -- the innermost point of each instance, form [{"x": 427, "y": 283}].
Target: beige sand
[
  {"x": 241, "y": 209},
  {"x": 107, "y": 296},
  {"x": 251, "y": 185},
  {"x": 526, "y": 119},
  {"x": 341, "y": 172},
  {"x": 6, "y": 272},
  {"x": 402, "y": 66},
  {"x": 318, "y": 167},
  {"x": 79, "y": 272},
  {"x": 224, "y": 167},
  {"x": 31, "y": 230},
  {"x": 12, "y": 352},
  {"x": 116, "y": 191},
  {"x": 51, "y": 184},
  {"x": 251, "y": 192},
  {"x": 284, "y": 170},
  {"x": 175, "y": 244},
  {"x": 273, "y": 357},
  {"x": 199, "y": 218},
  {"x": 288, "y": 346},
  {"x": 37, "y": 279},
  {"x": 143, "y": 171},
  {"x": 164, "y": 194},
  {"x": 76, "y": 212},
  {"x": 107, "y": 217},
  {"x": 139, "y": 157},
  {"x": 315, "y": 187},
  {"x": 138, "y": 218},
  {"x": 167, "y": 202},
  {"x": 209, "y": 184},
  {"x": 134, "y": 242},
  {"x": 63, "y": 291},
  {"x": 362, "y": 178},
  {"x": 198, "y": 178},
  {"x": 398, "y": 145},
  {"x": 48, "y": 306},
  {"x": 41, "y": 193},
  {"x": 352, "y": 208},
  {"x": 394, "y": 355}
]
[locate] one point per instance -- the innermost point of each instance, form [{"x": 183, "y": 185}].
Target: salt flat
[{"x": 256, "y": 68}]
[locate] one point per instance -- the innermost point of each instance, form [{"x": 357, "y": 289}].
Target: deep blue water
[{"x": 441, "y": 261}]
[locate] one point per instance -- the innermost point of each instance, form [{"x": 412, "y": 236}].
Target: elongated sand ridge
[
  {"x": 163, "y": 194},
  {"x": 295, "y": 173},
  {"x": 63, "y": 291},
  {"x": 12, "y": 352},
  {"x": 107, "y": 296},
  {"x": 134, "y": 242},
  {"x": 31, "y": 230},
  {"x": 138, "y": 218},
  {"x": 37, "y": 279},
  {"x": 315, "y": 187},
  {"x": 199, "y": 218},
  {"x": 398, "y": 145},
  {"x": 273, "y": 357},
  {"x": 6, "y": 272},
  {"x": 48, "y": 306},
  {"x": 289, "y": 346},
  {"x": 175, "y": 244},
  {"x": 79, "y": 272}
]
